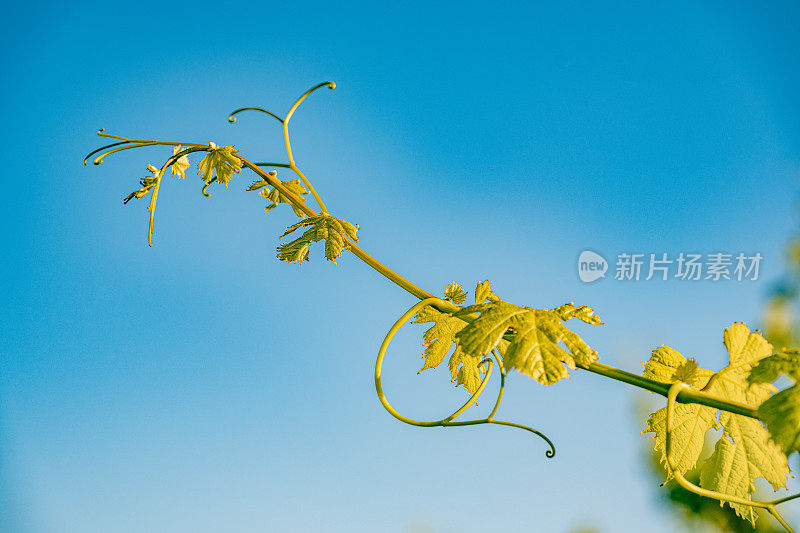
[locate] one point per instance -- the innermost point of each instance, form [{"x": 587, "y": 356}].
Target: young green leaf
[
  {"x": 692, "y": 421},
  {"x": 438, "y": 340},
  {"x": 587, "y": 314},
  {"x": 484, "y": 292},
  {"x": 744, "y": 452},
  {"x": 322, "y": 227},
  {"x": 533, "y": 349},
  {"x": 464, "y": 370},
  {"x": 275, "y": 196},
  {"x": 147, "y": 184},
  {"x": 179, "y": 166},
  {"x": 781, "y": 412},
  {"x": 455, "y": 293},
  {"x": 668, "y": 365},
  {"x": 220, "y": 163}
]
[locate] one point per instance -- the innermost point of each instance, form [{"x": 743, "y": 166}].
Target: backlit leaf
[
  {"x": 535, "y": 335},
  {"x": 276, "y": 197},
  {"x": 147, "y": 183},
  {"x": 455, "y": 293},
  {"x": 220, "y": 163},
  {"x": 744, "y": 452},
  {"x": 321, "y": 228},
  {"x": 484, "y": 292},
  {"x": 438, "y": 341},
  {"x": 179, "y": 166}
]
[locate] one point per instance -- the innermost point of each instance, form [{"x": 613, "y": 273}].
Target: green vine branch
[{"x": 536, "y": 342}]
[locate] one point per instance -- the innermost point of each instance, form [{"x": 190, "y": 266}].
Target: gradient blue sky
[{"x": 201, "y": 385}]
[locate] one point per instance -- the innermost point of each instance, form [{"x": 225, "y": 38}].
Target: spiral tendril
[
  {"x": 99, "y": 159},
  {"x": 329, "y": 84},
  {"x": 232, "y": 117},
  {"x": 90, "y": 154},
  {"x": 450, "y": 420},
  {"x": 207, "y": 185},
  {"x": 132, "y": 143}
]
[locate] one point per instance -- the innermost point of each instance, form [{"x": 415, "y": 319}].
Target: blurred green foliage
[{"x": 780, "y": 320}]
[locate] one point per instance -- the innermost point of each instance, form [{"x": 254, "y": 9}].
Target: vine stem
[
  {"x": 292, "y": 165},
  {"x": 685, "y": 396},
  {"x": 445, "y": 306}
]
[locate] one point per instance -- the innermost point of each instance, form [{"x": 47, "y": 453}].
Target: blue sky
[{"x": 201, "y": 385}]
